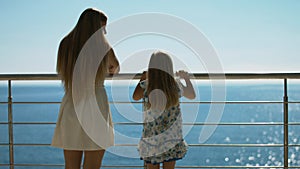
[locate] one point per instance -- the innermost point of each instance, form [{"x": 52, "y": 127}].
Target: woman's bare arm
[{"x": 113, "y": 63}]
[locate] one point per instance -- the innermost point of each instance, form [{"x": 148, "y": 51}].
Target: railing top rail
[{"x": 126, "y": 76}]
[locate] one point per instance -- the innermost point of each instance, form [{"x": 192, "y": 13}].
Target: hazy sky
[{"x": 248, "y": 35}]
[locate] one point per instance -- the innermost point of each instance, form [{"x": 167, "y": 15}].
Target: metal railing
[{"x": 197, "y": 76}]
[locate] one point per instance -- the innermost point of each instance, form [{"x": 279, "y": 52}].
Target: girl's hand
[
  {"x": 188, "y": 90},
  {"x": 182, "y": 74},
  {"x": 138, "y": 91}
]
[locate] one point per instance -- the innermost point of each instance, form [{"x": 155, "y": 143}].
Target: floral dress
[{"x": 162, "y": 139}]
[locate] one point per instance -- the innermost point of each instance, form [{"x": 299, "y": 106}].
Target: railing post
[
  {"x": 10, "y": 127},
  {"x": 286, "y": 126}
]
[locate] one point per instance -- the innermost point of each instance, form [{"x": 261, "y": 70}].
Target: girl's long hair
[
  {"x": 161, "y": 77},
  {"x": 70, "y": 46}
]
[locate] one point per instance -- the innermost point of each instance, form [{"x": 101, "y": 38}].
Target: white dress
[{"x": 69, "y": 133}]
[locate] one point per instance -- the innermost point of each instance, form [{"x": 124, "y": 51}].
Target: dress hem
[
  {"x": 80, "y": 149},
  {"x": 169, "y": 160}
]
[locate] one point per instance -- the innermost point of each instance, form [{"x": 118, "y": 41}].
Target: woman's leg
[
  {"x": 169, "y": 165},
  {"x": 72, "y": 159},
  {"x": 93, "y": 159},
  {"x": 152, "y": 166}
]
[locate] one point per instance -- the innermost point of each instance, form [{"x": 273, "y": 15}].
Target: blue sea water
[{"x": 203, "y": 155}]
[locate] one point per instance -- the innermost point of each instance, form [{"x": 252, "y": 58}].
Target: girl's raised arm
[
  {"x": 139, "y": 91},
  {"x": 188, "y": 90}
]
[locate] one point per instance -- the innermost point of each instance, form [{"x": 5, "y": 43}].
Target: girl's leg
[
  {"x": 169, "y": 165},
  {"x": 72, "y": 159},
  {"x": 152, "y": 166},
  {"x": 93, "y": 159}
]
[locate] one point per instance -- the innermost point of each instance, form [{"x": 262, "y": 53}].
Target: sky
[{"x": 248, "y": 35}]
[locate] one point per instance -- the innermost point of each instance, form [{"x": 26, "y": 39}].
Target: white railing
[{"x": 197, "y": 76}]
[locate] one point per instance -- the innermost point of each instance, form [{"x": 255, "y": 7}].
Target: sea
[{"x": 237, "y": 142}]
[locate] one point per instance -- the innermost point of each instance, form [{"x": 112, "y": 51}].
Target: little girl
[{"x": 162, "y": 140}]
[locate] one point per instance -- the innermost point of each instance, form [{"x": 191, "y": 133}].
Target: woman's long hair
[
  {"x": 89, "y": 22},
  {"x": 161, "y": 77}
]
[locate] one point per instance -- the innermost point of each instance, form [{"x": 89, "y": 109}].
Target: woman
[{"x": 70, "y": 134}]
